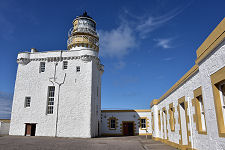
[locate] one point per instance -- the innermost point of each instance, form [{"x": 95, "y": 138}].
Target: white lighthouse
[{"x": 58, "y": 93}]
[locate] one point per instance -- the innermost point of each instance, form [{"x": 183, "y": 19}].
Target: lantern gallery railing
[
  {"x": 73, "y": 31},
  {"x": 82, "y": 39}
]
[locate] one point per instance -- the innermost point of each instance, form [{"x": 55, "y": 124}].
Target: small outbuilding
[
  {"x": 4, "y": 126},
  {"x": 126, "y": 122}
]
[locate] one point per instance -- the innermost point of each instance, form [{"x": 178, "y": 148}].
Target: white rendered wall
[
  {"x": 214, "y": 62},
  {"x": 186, "y": 89},
  {"x": 96, "y": 101},
  {"x": 125, "y": 116},
  {"x": 211, "y": 64},
  {"x": 75, "y": 95}
]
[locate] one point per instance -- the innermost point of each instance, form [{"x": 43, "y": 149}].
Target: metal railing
[
  {"x": 84, "y": 30},
  {"x": 82, "y": 38}
]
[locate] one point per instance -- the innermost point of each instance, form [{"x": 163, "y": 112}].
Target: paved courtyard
[{"x": 102, "y": 143}]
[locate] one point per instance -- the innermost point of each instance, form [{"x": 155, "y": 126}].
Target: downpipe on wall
[{"x": 59, "y": 86}]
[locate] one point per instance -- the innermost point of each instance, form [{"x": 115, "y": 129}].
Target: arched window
[{"x": 112, "y": 123}]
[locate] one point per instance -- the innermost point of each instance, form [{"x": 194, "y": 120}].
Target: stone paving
[{"x": 101, "y": 143}]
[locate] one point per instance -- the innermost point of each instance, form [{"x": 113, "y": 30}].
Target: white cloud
[
  {"x": 164, "y": 43},
  {"x": 117, "y": 42},
  {"x": 151, "y": 23},
  {"x": 168, "y": 58},
  {"x": 120, "y": 41}
]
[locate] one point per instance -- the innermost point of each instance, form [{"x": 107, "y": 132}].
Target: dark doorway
[
  {"x": 30, "y": 129},
  {"x": 128, "y": 128}
]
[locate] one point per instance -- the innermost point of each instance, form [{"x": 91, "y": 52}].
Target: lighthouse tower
[
  {"x": 58, "y": 93},
  {"x": 83, "y": 39},
  {"x": 83, "y": 36}
]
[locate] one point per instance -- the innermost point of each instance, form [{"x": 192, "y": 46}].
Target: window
[
  {"x": 218, "y": 81},
  {"x": 51, "y": 94},
  {"x": 27, "y": 101},
  {"x": 143, "y": 123},
  {"x": 78, "y": 68},
  {"x": 202, "y": 113},
  {"x": 199, "y": 111},
  {"x": 42, "y": 67},
  {"x": 112, "y": 123},
  {"x": 222, "y": 98},
  {"x": 65, "y": 65},
  {"x": 172, "y": 120}
]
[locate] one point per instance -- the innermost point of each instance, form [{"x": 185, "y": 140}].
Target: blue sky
[{"x": 146, "y": 46}]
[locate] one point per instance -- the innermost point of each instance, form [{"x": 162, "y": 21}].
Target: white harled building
[{"x": 58, "y": 93}]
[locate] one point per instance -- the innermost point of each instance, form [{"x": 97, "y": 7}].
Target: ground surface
[{"x": 102, "y": 143}]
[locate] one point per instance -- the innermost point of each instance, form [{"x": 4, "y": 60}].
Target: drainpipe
[
  {"x": 190, "y": 118},
  {"x": 59, "y": 86},
  {"x": 57, "y": 110}
]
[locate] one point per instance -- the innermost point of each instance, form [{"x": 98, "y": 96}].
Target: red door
[
  {"x": 28, "y": 130},
  {"x": 128, "y": 128}
]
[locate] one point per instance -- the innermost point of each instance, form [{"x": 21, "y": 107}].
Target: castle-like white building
[{"x": 58, "y": 93}]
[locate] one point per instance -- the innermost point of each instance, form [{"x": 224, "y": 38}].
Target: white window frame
[
  {"x": 27, "y": 101},
  {"x": 42, "y": 67},
  {"x": 51, "y": 98}
]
